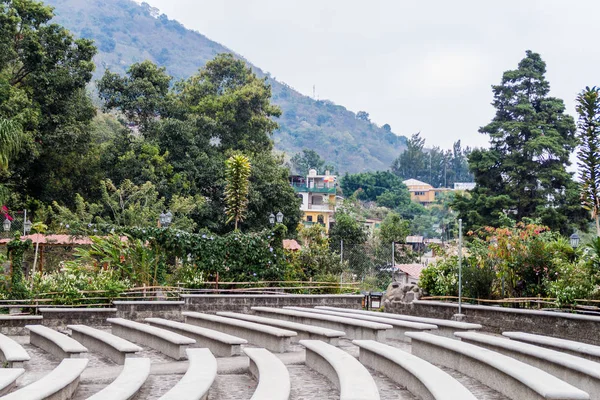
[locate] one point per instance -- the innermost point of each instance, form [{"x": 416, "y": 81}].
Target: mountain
[{"x": 126, "y": 32}]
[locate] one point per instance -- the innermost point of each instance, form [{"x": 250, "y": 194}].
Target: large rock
[{"x": 399, "y": 292}]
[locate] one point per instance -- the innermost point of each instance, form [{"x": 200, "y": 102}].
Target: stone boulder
[{"x": 403, "y": 293}]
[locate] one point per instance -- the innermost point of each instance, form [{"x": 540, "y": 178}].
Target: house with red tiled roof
[{"x": 408, "y": 274}]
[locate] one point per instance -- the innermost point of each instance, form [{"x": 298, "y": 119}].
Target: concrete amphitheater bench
[
  {"x": 421, "y": 378},
  {"x": 578, "y": 349},
  {"x": 54, "y": 342},
  {"x": 59, "y": 384},
  {"x": 446, "y": 327},
  {"x": 274, "y": 339},
  {"x": 355, "y": 329},
  {"x": 270, "y": 372},
  {"x": 169, "y": 343},
  {"x": 12, "y": 352},
  {"x": 399, "y": 326},
  {"x": 577, "y": 371},
  {"x": 198, "y": 379},
  {"x": 513, "y": 378},
  {"x": 304, "y": 331},
  {"x": 219, "y": 343},
  {"x": 133, "y": 375},
  {"x": 105, "y": 343},
  {"x": 344, "y": 371},
  {"x": 8, "y": 378}
]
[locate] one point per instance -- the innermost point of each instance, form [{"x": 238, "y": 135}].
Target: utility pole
[
  {"x": 393, "y": 254},
  {"x": 460, "y": 266}
]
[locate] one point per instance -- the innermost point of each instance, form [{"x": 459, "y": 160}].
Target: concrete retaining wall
[
  {"x": 210, "y": 303},
  {"x": 138, "y": 310},
  {"x": 15, "y": 324},
  {"x": 61, "y": 317},
  {"x": 581, "y": 328}
]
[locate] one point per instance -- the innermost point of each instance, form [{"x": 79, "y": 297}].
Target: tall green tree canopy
[
  {"x": 523, "y": 173},
  {"x": 189, "y": 129},
  {"x": 588, "y": 108},
  {"x": 308, "y": 159},
  {"x": 382, "y": 186},
  {"x": 43, "y": 74}
]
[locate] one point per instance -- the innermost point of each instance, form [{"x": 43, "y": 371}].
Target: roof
[
  {"x": 413, "y": 270},
  {"x": 291, "y": 244},
  {"x": 415, "y": 182},
  {"x": 414, "y": 239},
  {"x": 58, "y": 240}
]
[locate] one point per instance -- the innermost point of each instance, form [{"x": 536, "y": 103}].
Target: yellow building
[
  {"x": 318, "y": 197},
  {"x": 423, "y": 193}
]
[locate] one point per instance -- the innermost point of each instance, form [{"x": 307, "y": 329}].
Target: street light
[
  {"x": 165, "y": 219},
  {"x": 27, "y": 226},
  {"x": 272, "y": 219},
  {"x": 279, "y": 217},
  {"x": 6, "y": 225},
  {"x": 574, "y": 239}
]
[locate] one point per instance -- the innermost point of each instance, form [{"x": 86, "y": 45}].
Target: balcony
[
  {"x": 319, "y": 207},
  {"x": 298, "y": 187}
]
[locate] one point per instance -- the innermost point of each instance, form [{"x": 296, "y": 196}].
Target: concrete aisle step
[
  {"x": 308, "y": 384},
  {"x": 232, "y": 387},
  {"x": 478, "y": 389}
]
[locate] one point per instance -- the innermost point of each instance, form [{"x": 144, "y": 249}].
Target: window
[
  {"x": 320, "y": 219},
  {"x": 309, "y": 218},
  {"x": 419, "y": 193}
]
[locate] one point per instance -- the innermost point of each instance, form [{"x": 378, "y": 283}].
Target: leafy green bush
[{"x": 69, "y": 285}]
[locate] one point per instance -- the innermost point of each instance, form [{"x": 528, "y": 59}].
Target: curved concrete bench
[
  {"x": 446, "y": 327},
  {"x": 344, "y": 371},
  {"x": 304, "y": 331},
  {"x": 8, "y": 379},
  {"x": 54, "y": 342},
  {"x": 397, "y": 332},
  {"x": 219, "y": 343},
  {"x": 12, "y": 352},
  {"x": 105, "y": 343},
  {"x": 274, "y": 339},
  {"x": 513, "y": 378},
  {"x": 60, "y": 383},
  {"x": 169, "y": 343},
  {"x": 270, "y": 372},
  {"x": 421, "y": 378},
  {"x": 578, "y": 349},
  {"x": 355, "y": 329},
  {"x": 128, "y": 383},
  {"x": 577, "y": 371},
  {"x": 198, "y": 379}
]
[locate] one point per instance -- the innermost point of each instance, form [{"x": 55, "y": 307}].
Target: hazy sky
[{"x": 418, "y": 65}]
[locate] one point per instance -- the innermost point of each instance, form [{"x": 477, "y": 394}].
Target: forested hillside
[{"x": 126, "y": 32}]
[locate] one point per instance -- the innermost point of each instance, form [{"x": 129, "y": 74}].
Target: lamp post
[
  {"x": 6, "y": 224},
  {"x": 574, "y": 239},
  {"x": 27, "y": 227},
  {"x": 279, "y": 217},
  {"x": 165, "y": 219},
  {"x": 272, "y": 219}
]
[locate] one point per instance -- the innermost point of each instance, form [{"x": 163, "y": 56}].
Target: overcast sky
[{"x": 418, "y": 65}]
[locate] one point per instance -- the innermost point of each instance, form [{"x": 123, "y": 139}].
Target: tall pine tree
[
  {"x": 588, "y": 108},
  {"x": 523, "y": 173}
]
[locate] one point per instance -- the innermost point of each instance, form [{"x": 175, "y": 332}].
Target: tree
[
  {"x": 381, "y": 186},
  {"x": 588, "y": 108},
  {"x": 44, "y": 71},
  {"x": 363, "y": 116},
  {"x": 308, "y": 159},
  {"x": 237, "y": 174},
  {"x": 393, "y": 229},
  {"x": 523, "y": 173},
  {"x": 411, "y": 163},
  {"x": 387, "y": 127},
  {"x": 141, "y": 96},
  {"x": 10, "y": 141}
]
